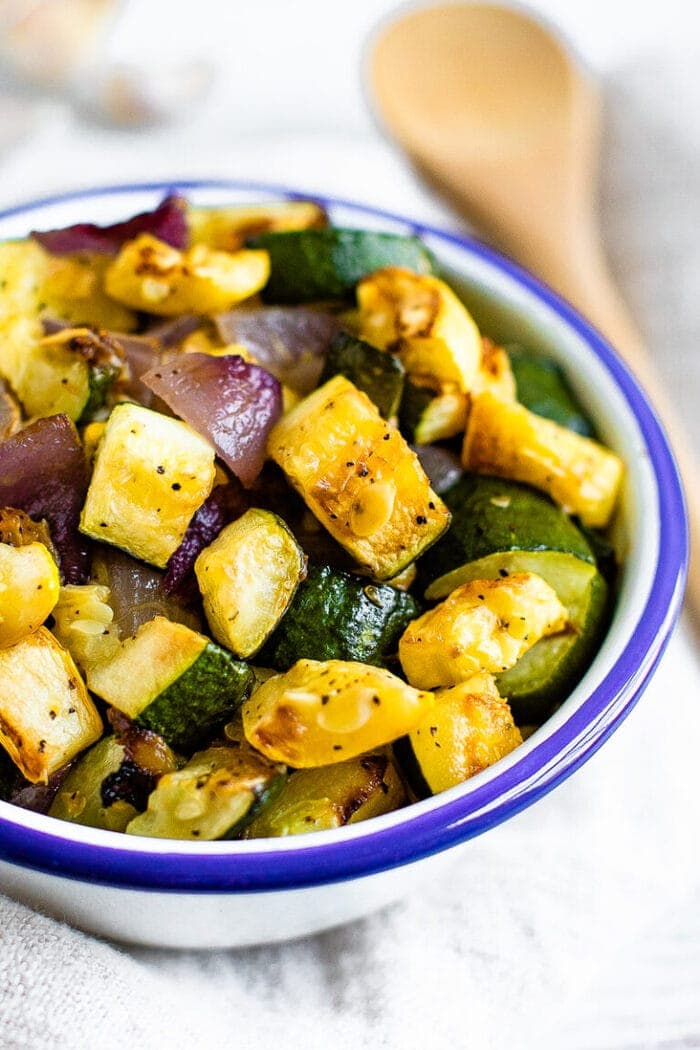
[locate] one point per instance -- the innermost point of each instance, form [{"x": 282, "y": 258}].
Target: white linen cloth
[{"x": 547, "y": 932}]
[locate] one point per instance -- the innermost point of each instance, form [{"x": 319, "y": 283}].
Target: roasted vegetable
[
  {"x": 212, "y": 797},
  {"x": 324, "y": 712},
  {"x": 248, "y": 577},
  {"x": 377, "y": 374},
  {"x": 338, "y": 616},
  {"x": 579, "y": 474},
  {"x": 174, "y": 681},
  {"x": 29, "y": 585},
  {"x": 151, "y": 474},
  {"x": 484, "y": 625},
  {"x": 428, "y": 414},
  {"x": 34, "y": 285},
  {"x": 150, "y": 275},
  {"x": 79, "y": 799},
  {"x": 542, "y": 387},
  {"x": 231, "y": 401},
  {"x": 316, "y": 265},
  {"x": 545, "y": 674},
  {"x": 72, "y": 372},
  {"x": 43, "y": 472},
  {"x": 46, "y": 715},
  {"x": 332, "y": 796},
  {"x": 359, "y": 477},
  {"x": 469, "y": 728},
  {"x": 421, "y": 319},
  {"x": 495, "y": 514},
  {"x": 227, "y": 228},
  {"x": 83, "y": 624}
]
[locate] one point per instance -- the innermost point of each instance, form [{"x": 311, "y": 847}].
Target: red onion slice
[
  {"x": 167, "y": 222},
  {"x": 43, "y": 472},
  {"x": 289, "y": 341},
  {"x": 229, "y": 401},
  {"x": 442, "y": 466}
]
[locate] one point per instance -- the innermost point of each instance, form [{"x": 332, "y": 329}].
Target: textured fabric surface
[{"x": 552, "y": 931}]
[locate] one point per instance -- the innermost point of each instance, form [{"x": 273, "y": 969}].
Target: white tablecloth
[{"x": 576, "y": 926}]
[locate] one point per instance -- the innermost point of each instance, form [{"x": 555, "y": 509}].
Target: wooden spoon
[{"x": 495, "y": 112}]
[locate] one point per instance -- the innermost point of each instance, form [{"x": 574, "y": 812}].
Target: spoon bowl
[{"x": 501, "y": 118}]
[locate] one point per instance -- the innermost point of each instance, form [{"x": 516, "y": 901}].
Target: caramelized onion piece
[
  {"x": 167, "y": 222},
  {"x": 43, "y": 472}
]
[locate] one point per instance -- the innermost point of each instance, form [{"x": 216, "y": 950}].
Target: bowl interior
[{"x": 649, "y": 533}]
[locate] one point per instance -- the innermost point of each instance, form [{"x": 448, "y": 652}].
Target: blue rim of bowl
[{"x": 520, "y": 784}]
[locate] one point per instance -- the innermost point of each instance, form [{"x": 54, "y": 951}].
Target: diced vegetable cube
[
  {"x": 324, "y": 712},
  {"x": 46, "y": 714},
  {"x": 469, "y": 729},
  {"x": 248, "y": 577},
  {"x": 151, "y": 473},
  {"x": 420, "y": 318},
  {"x": 484, "y": 625},
  {"x": 212, "y": 797},
  {"x": 359, "y": 477},
  {"x": 172, "y": 680},
  {"x": 29, "y": 585},
  {"x": 227, "y": 228},
  {"x": 332, "y": 796},
  {"x": 150, "y": 275},
  {"x": 510, "y": 441}
]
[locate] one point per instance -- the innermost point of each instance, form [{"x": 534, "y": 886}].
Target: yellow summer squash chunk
[
  {"x": 495, "y": 373},
  {"x": 510, "y": 441},
  {"x": 29, "y": 585},
  {"x": 470, "y": 728},
  {"x": 151, "y": 275},
  {"x": 419, "y": 318},
  {"x": 46, "y": 714},
  {"x": 359, "y": 477},
  {"x": 321, "y": 712},
  {"x": 484, "y": 625},
  {"x": 228, "y": 228},
  {"x": 151, "y": 473},
  {"x": 84, "y": 624}
]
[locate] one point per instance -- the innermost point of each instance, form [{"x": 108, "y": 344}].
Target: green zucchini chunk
[
  {"x": 427, "y": 415},
  {"x": 542, "y": 387},
  {"x": 338, "y": 616},
  {"x": 378, "y": 373},
  {"x": 248, "y": 577},
  {"x": 547, "y": 672},
  {"x": 313, "y": 265},
  {"x": 174, "y": 681},
  {"x": 212, "y": 797},
  {"x": 332, "y": 796},
  {"x": 79, "y": 799},
  {"x": 491, "y": 514}
]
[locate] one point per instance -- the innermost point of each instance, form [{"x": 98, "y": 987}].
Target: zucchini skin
[
  {"x": 542, "y": 387},
  {"x": 378, "y": 373},
  {"x": 309, "y": 265},
  {"x": 337, "y": 616},
  {"x": 200, "y": 700},
  {"x": 491, "y": 514}
]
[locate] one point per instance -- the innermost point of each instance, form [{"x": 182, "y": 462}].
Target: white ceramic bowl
[{"x": 215, "y": 894}]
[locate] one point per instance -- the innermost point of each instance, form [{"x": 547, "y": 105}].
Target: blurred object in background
[
  {"x": 18, "y": 118},
  {"x": 43, "y": 42},
  {"x": 56, "y": 48},
  {"x": 129, "y": 96}
]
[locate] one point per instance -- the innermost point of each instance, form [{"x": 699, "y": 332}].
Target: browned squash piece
[{"x": 359, "y": 477}]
